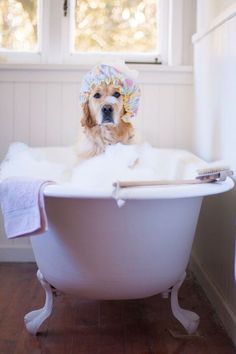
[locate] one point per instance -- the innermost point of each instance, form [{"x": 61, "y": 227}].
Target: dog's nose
[{"x": 107, "y": 109}]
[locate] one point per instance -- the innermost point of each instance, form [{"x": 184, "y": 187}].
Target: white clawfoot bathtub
[{"x": 97, "y": 250}]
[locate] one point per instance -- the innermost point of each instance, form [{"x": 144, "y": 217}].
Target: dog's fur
[{"x": 100, "y": 132}]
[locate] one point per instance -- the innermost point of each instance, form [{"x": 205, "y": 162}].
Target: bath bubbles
[
  {"x": 118, "y": 163},
  {"x": 23, "y": 161}
]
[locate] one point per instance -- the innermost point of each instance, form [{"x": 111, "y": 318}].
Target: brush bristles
[{"x": 212, "y": 170}]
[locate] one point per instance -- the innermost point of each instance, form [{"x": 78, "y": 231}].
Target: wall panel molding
[{"x": 150, "y": 74}]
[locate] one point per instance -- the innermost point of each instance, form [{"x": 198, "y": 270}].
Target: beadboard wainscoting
[
  {"x": 214, "y": 139},
  {"x": 39, "y": 105}
]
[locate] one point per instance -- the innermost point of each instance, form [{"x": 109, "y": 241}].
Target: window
[
  {"x": 86, "y": 31},
  {"x": 115, "y": 26},
  {"x": 19, "y": 25}
]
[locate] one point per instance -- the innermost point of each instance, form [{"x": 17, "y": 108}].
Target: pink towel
[{"x": 22, "y": 204}]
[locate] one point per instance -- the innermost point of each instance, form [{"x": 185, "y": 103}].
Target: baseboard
[
  {"x": 16, "y": 253},
  {"x": 221, "y": 307}
]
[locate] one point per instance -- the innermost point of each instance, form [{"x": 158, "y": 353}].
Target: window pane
[
  {"x": 116, "y": 26},
  {"x": 18, "y": 25}
]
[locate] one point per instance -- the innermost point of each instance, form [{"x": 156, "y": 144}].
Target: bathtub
[{"x": 97, "y": 250}]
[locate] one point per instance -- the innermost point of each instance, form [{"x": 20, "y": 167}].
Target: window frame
[
  {"x": 54, "y": 29},
  {"x": 24, "y": 56},
  {"x": 91, "y": 57}
]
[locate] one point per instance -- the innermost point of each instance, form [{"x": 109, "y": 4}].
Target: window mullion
[
  {"x": 66, "y": 38},
  {"x": 163, "y": 29},
  {"x": 44, "y": 30},
  {"x": 52, "y": 31},
  {"x": 175, "y": 40}
]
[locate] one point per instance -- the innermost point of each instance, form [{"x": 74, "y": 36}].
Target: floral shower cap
[{"x": 109, "y": 75}]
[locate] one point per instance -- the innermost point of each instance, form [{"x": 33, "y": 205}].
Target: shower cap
[{"x": 123, "y": 82}]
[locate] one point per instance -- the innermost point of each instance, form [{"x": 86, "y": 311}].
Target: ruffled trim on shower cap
[{"x": 125, "y": 85}]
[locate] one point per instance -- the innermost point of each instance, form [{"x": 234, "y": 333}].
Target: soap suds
[{"x": 118, "y": 163}]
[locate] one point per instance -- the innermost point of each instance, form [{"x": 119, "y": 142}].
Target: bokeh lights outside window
[
  {"x": 18, "y": 25},
  {"x": 116, "y": 26}
]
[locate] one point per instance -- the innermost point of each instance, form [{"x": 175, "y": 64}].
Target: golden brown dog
[{"x": 102, "y": 120}]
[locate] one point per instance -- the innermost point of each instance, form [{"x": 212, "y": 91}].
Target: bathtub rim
[{"x": 157, "y": 192}]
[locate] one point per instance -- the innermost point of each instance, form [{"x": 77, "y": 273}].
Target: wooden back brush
[{"x": 205, "y": 175}]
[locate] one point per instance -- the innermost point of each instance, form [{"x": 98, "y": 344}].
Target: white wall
[
  {"x": 221, "y": 5},
  {"x": 215, "y": 138},
  {"x": 208, "y": 10},
  {"x": 178, "y": 34},
  {"x": 40, "y": 106}
]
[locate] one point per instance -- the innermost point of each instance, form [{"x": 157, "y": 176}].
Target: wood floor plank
[{"x": 102, "y": 327}]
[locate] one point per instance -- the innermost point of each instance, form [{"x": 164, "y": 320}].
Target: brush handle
[{"x": 164, "y": 182}]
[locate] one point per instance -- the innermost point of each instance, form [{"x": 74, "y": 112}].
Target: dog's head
[
  {"x": 107, "y": 97},
  {"x": 105, "y": 106}
]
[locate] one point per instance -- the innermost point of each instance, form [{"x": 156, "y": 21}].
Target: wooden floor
[{"x": 105, "y": 327}]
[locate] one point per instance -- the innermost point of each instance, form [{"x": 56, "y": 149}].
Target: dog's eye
[
  {"x": 97, "y": 95},
  {"x": 116, "y": 94}
]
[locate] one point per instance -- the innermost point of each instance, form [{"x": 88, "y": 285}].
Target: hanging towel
[{"x": 22, "y": 204}]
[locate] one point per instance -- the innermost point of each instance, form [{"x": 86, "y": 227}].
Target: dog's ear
[{"x": 86, "y": 119}]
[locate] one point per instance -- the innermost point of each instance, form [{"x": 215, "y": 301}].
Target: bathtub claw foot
[
  {"x": 188, "y": 319},
  {"x": 34, "y": 319}
]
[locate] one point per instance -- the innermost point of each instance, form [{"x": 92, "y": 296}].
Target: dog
[
  {"x": 109, "y": 100},
  {"x": 102, "y": 119}
]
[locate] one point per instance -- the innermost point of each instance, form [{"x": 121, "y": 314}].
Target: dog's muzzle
[{"x": 107, "y": 114}]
